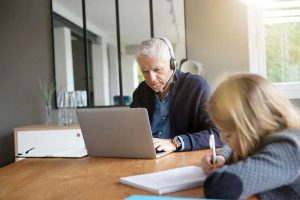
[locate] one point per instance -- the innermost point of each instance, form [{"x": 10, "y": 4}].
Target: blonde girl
[{"x": 261, "y": 129}]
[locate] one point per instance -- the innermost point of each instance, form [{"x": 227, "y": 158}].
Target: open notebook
[{"x": 167, "y": 181}]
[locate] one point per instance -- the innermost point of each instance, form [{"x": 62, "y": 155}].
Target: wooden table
[{"x": 86, "y": 178}]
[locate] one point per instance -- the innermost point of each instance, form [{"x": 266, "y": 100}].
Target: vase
[
  {"x": 67, "y": 108},
  {"x": 48, "y": 114}
]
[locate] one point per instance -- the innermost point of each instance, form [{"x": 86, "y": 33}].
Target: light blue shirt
[{"x": 160, "y": 124}]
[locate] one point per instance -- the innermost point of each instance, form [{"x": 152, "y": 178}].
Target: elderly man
[{"x": 176, "y": 101}]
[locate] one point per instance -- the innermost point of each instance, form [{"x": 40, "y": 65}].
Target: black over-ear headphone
[{"x": 173, "y": 62}]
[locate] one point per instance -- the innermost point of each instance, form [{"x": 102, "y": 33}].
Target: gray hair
[{"x": 152, "y": 47}]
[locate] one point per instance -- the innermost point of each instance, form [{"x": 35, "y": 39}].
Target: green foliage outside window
[
  {"x": 140, "y": 75},
  {"x": 283, "y": 52}
]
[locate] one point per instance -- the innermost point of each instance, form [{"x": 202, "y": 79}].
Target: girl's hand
[{"x": 207, "y": 166}]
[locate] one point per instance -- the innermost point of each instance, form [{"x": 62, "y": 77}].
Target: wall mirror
[{"x": 94, "y": 45}]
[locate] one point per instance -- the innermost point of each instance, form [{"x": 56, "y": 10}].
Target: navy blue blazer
[{"x": 188, "y": 109}]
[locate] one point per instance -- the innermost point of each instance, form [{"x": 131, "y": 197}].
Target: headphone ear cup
[{"x": 173, "y": 63}]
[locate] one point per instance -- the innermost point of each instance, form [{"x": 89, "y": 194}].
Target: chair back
[{"x": 194, "y": 67}]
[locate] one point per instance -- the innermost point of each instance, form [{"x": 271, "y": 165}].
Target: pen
[{"x": 212, "y": 146}]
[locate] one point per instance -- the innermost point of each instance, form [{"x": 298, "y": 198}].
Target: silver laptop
[{"x": 117, "y": 132}]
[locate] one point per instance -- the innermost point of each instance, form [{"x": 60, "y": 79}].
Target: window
[{"x": 274, "y": 43}]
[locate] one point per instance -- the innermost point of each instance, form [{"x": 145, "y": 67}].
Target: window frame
[{"x": 257, "y": 51}]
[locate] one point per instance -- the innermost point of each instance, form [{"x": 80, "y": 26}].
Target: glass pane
[
  {"x": 68, "y": 46},
  {"x": 282, "y": 35},
  {"x": 103, "y": 60},
  {"x": 168, "y": 20},
  {"x": 134, "y": 28}
]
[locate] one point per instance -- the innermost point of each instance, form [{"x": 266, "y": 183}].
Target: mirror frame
[{"x": 119, "y": 56}]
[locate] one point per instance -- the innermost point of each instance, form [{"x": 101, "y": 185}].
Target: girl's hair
[
  {"x": 250, "y": 106},
  {"x": 152, "y": 47}
]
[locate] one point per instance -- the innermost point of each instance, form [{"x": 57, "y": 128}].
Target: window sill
[{"x": 292, "y": 89}]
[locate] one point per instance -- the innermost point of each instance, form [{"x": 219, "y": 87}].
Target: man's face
[{"x": 155, "y": 71}]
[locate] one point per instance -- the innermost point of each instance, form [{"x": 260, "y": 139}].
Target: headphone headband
[{"x": 173, "y": 62}]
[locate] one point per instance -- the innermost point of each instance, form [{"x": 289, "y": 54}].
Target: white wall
[
  {"x": 100, "y": 73},
  {"x": 217, "y": 36},
  {"x": 63, "y": 59},
  {"x": 129, "y": 76},
  {"x": 114, "y": 88}
]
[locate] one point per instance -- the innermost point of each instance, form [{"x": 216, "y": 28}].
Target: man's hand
[{"x": 164, "y": 145}]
